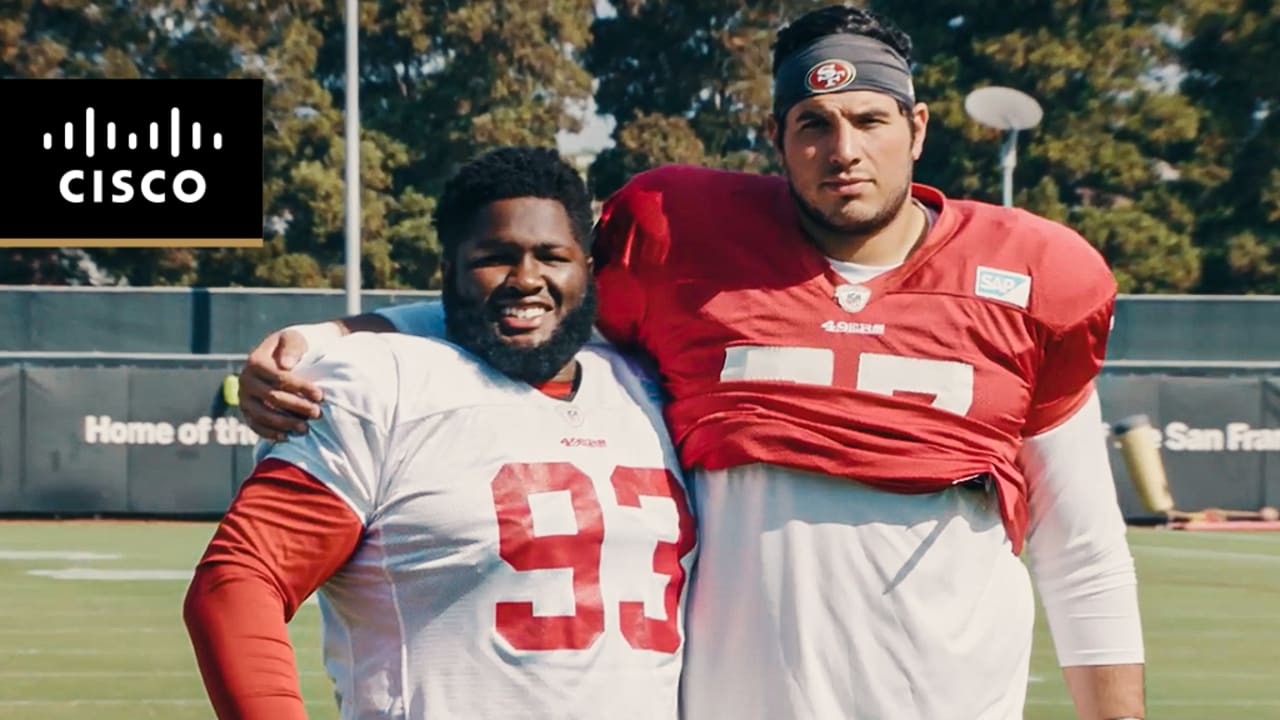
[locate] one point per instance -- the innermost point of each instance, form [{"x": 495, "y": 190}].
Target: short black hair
[
  {"x": 505, "y": 173},
  {"x": 836, "y": 20}
]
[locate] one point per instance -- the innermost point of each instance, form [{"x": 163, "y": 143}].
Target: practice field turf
[{"x": 90, "y": 625}]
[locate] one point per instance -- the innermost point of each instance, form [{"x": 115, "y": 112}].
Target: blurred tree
[
  {"x": 1116, "y": 133},
  {"x": 439, "y": 82},
  {"x": 644, "y": 142},
  {"x": 1159, "y": 139},
  {"x": 1228, "y": 54},
  {"x": 1117, "y": 155},
  {"x": 703, "y": 63}
]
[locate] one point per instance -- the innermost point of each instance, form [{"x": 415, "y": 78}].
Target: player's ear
[
  {"x": 774, "y": 131},
  {"x": 919, "y": 119}
]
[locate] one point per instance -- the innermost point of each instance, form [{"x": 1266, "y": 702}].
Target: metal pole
[
  {"x": 353, "y": 158},
  {"x": 1008, "y": 161}
]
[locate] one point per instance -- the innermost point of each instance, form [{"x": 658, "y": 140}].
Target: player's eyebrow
[
  {"x": 813, "y": 115},
  {"x": 866, "y": 114},
  {"x": 499, "y": 242},
  {"x": 872, "y": 113}
]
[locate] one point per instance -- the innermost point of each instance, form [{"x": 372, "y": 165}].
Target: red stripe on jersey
[
  {"x": 558, "y": 389},
  {"x": 284, "y": 536}
]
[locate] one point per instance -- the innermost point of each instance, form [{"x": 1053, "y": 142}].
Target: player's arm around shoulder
[
  {"x": 345, "y": 447},
  {"x": 275, "y": 401},
  {"x": 633, "y": 244}
]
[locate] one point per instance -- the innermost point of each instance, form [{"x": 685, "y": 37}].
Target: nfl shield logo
[
  {"x": 573, "y": 416},
  {"x": 853, "y": 298}
]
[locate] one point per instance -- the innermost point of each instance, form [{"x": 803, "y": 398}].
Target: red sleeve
[
  {"x": 622, "y": 296},
  {"x": 285, "y": 534},
  {"x": 1072, "y": 359}
]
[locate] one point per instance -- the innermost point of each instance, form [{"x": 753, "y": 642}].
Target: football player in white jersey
[{"x": 495, "y": 524}]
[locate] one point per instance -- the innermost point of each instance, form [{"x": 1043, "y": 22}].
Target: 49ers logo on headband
[{"x": 830, "y": 76}]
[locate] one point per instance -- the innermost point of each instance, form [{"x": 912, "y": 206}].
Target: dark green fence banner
[
  {"x": 155, "y": 439},
  {"x": 184, "y": 462},
  {"x": 145, "y": 440},
  {"x": 232, "y": 320},
  {"x": 1220, "y": 438},
  {"x": 1271, "y": 459},
  {"x": 153, "y": 320},
  {"x": 10, "y": 438}
]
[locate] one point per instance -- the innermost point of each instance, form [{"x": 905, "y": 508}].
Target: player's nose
[
  {"x": 846, "y": 146},
  {"x": 526, "y": 275}
]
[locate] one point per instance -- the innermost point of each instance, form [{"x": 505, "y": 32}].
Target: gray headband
[{"x": 839, "y": 63}]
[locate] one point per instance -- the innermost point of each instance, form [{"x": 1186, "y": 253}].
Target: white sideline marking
[
  {"x": 1213, "y": 634},
  {"x": 1172, "y": 673},
  {"x": 1220, "y": 554},
  {"x": 1195, "y": 537},
  {"x": 121, "y": 673},
  {"x": 129, "y": 701},
  {"x": 108, "y": 629},
  {"x": 56, "y": 555},
  {"x": 100, "y": 574},
  {"x": 57, "y": 651},
  {"x": 106, "y": 701},
  {"x": 1164, "y": 617},
  {"x": 128, "y": 575},
  {"x": 1178, "y": 702}
]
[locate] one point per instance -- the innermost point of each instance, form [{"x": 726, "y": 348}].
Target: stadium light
[
  {"x": 1010, "y": 110},
  {"x": 352, "y": 119}
]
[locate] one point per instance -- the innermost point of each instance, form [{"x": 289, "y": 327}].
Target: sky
[
  {"x": 593, "y": 138},
  {"x": 595, "y": 133}
]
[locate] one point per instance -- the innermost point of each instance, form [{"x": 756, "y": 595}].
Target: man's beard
[
  {"x": 470, "y": 325},
  {"x": 862, "y": 227}
]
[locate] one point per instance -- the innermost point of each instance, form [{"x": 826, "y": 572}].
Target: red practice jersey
[{"x": 928, "y": 375}]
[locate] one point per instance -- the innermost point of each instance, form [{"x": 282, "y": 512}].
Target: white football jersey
[
  {"x": 818, "y": 598},
  {"x": 523, "y": 556}
]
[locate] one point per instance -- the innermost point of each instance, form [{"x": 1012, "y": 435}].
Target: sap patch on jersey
[{"x": 1003, "y": 285}]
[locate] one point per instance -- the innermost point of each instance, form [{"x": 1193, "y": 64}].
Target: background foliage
[{"x": 1159, "y": 142}]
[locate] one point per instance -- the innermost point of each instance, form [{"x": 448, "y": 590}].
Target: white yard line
[
  {"x": 117, "y": 673},
  {"x": 76, "y": 573},
  {"x": 1216, "y": 554},
  {"x": 92, "y": 629},
  {"x": 124, "y": 701},
  {"x": 1178, "y": 702},
  {"x": 56, "y": 555},
  {"x": 1272, "y": 538}
]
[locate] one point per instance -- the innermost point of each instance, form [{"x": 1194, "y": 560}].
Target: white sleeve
[
  {"x": 346, "y": 447},
  {"x": 1077, "y": 545},
  {"x": 424, "y": 319}
]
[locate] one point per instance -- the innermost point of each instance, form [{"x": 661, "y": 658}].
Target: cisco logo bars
[{"x": 121, "y": 179}]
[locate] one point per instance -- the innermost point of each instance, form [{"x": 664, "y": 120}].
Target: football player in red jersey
[{"x": 884, "y": 395}]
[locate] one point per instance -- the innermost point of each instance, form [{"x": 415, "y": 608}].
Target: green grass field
[{"x": 115, "y": 649}]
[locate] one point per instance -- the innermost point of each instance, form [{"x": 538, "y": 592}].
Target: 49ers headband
[{"x": 837, "y": 63}]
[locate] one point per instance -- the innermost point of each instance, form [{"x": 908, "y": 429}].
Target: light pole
[
  {"x": 1010, "y": 110},
  {"x": 352, "y": 246}
]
